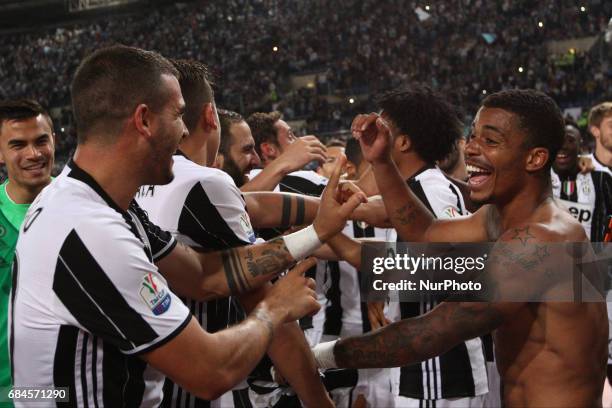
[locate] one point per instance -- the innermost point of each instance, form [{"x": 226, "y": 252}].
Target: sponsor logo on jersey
[
  {"x": 582, "y": 212},
  {"x": 245, "y": 224},
  {"x": 155, "y": 294},
  {"x": 451, "y": 212}
]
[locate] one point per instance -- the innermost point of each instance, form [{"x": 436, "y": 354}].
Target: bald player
[{"x": 548, "y": 354}]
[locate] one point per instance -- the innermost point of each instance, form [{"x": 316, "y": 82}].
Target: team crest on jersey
[
  {"x": 451, "y": 212},
  {"x": 155, "y": 294},
  {"x": 586, "y": 189},
  {"x": 362, "y": 224},
  {"x": 245, "y": 224}
]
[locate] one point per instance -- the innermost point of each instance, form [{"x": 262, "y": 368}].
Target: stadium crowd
[{"x": 387, "y": 45}]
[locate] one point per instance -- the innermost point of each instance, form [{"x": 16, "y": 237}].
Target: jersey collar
[
  {"x": 602, "y": 165},
  {"x": 421, "y": 170},
  {"x": 79, "y": 174}
]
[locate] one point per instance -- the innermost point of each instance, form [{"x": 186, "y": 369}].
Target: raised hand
[
  {"x": 332, "y": 215},
  {"x": 346, "y": 189},
  {"x": 293, "y": 296},
  {"x": 585, "y": 164},
  {"x": 374, "y": 137},
  {"x": 301, "y": 152}
]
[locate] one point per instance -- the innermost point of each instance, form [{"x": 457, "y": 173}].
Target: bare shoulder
[{"x": 549, "y": 224}]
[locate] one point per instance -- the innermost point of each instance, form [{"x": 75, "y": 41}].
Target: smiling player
[{"x": 548, "y": 354}]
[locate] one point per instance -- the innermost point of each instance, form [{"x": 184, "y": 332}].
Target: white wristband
[
  {"x": 302, "y": 243},
  {"x": 324, "y": 354}
]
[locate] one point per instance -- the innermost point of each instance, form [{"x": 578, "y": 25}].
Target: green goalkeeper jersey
[{"x": 11, "y": 217}]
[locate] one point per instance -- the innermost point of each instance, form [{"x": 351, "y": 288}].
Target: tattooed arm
[
  {"x": 210, "y": 364},
  {"x": 210, "y": 275},
  {"x": 412, "y": 340},
  {"x": 408, "y": 215},
  {"x": 270, "y": 210},
  {"x": 207, "y": 275},
  {"x": 415, "y": 223},
  {"x": 517, "y": 271}
]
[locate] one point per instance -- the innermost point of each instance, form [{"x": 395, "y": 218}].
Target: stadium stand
[{"x": 320, "y": 61}]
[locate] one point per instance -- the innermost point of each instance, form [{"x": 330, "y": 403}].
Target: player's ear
[
  {"x": 142, "y": 118},
  {"x": 594, "y": 131},
  {"x": 209, "y": 117},
  {"x": 537, "y": 159},
  {"x": 350, "y": 169},
  {"x": 403, "y": 143},
  {"x": 269, "y": 151}
]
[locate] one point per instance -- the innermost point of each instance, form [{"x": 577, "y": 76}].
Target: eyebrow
[
  {"x": 19, "y": 141},
  {"x": 494, "y": 129}
]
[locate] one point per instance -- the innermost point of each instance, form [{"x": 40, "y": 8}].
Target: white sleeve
[
  {"x": 105, "y": 280},
  {"x": 231, "y": 207},
  {"x": 445, "y": 202}
]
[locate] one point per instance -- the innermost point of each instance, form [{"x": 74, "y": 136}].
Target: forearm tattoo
[
  {"x": 272, "y": 260},
  {"x": 286, "y": 211},
  {"x": 300, "y": 211},
  {"x": 234, "y": 272},
  {"x": 413, "y": 340},
  {"x": 406, "y": 214}
]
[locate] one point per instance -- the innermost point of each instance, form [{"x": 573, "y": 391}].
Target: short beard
[{"x": 231, "y": 168}]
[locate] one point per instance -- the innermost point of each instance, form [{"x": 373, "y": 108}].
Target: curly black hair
[
  {"x": 353, "y": 151},
  {"x": 538, "y": 115},
  {"x": 430, "y": 121}
]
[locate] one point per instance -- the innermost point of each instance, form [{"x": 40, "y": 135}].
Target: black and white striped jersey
[
  {"x": 599, "y": 166},
  {"x": 588, "y": 197},
  {"x": 301, "y": 182},
  {"x": 305, "y": 182},
  {"x": 203, "y": 208},
  {"x": 344, "y": 310},
  {"x": 460, "y": 372},
  {"x": 87, "y": 299}
]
